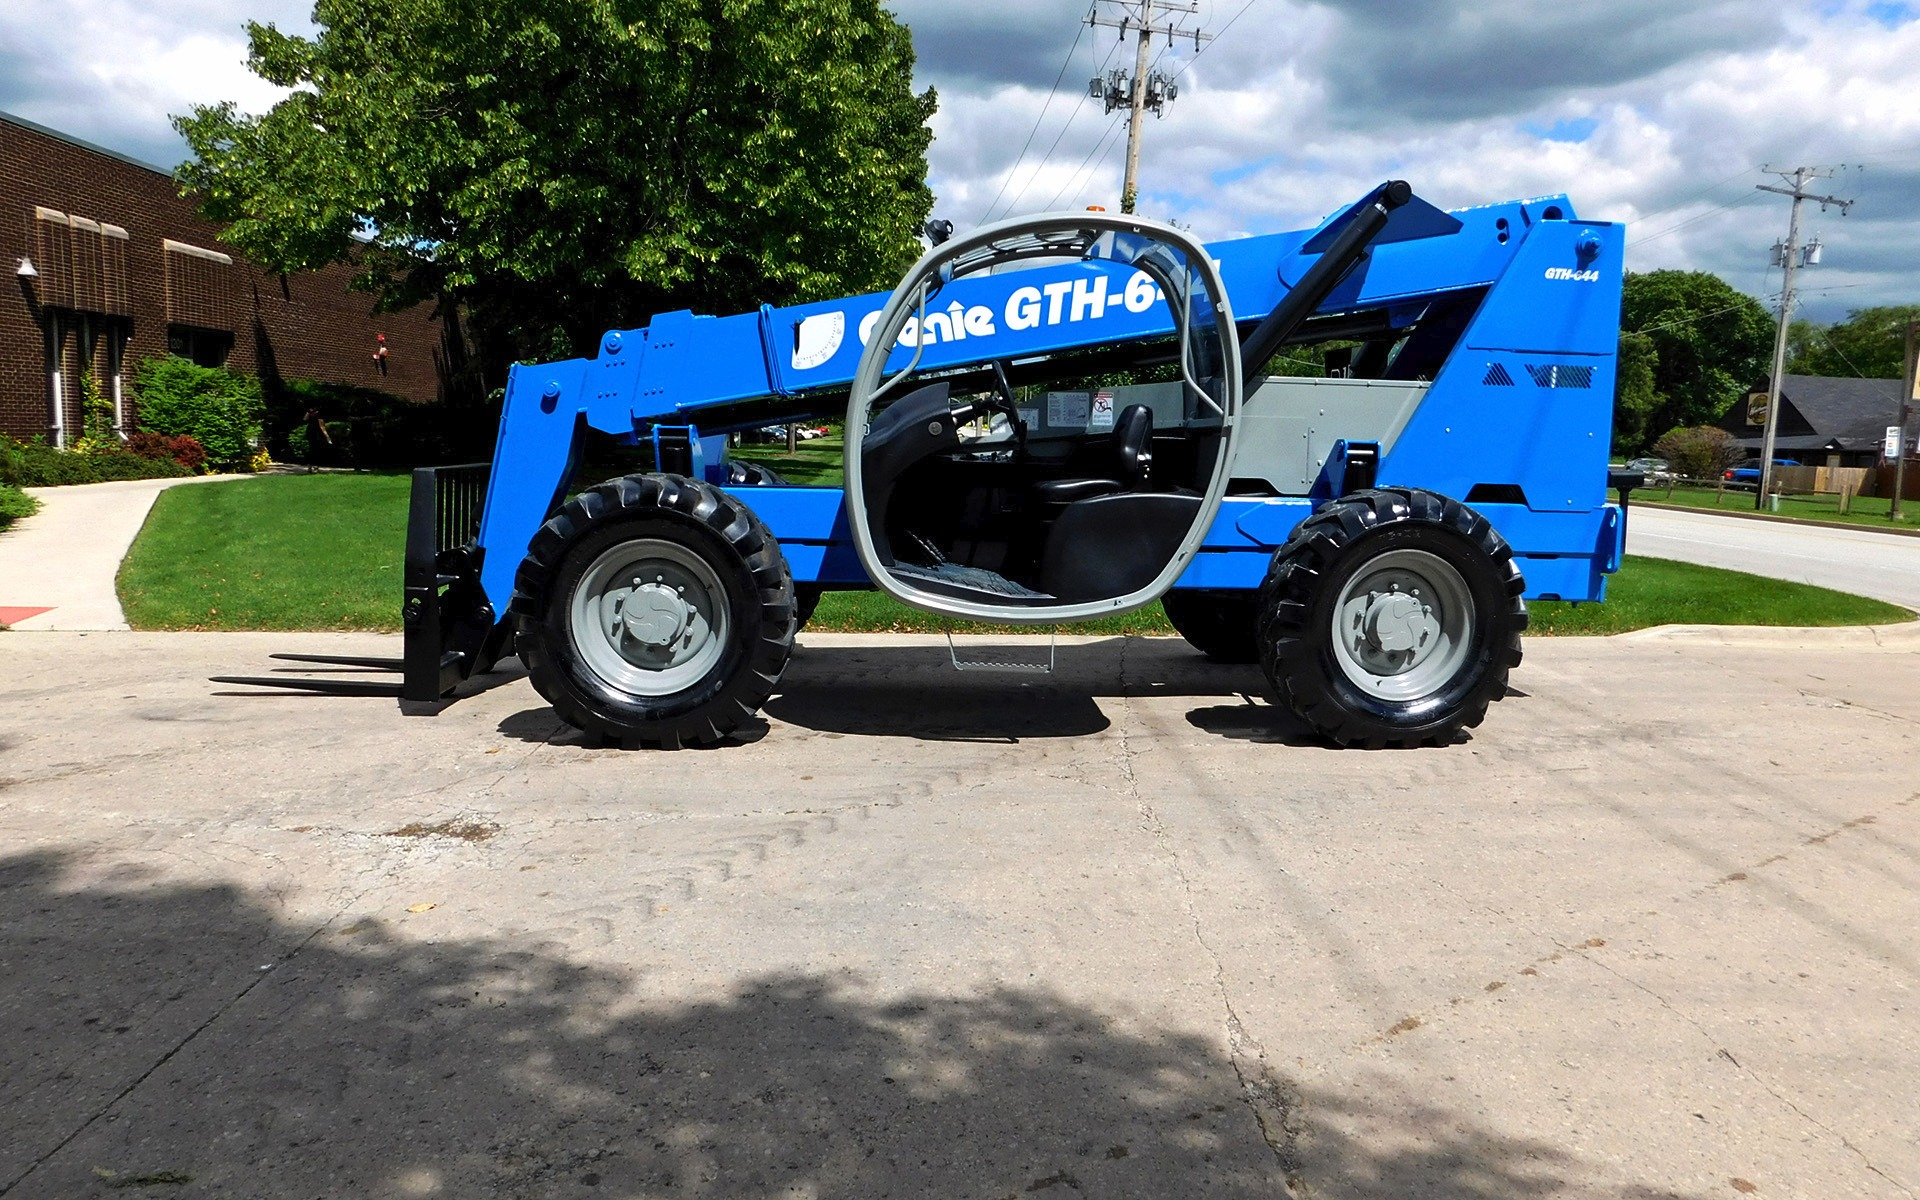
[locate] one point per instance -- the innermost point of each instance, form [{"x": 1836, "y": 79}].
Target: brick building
[{"x": 111, "y": 267}]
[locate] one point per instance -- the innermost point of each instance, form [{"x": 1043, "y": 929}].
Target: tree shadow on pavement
[{"x": 184, "y": 1040}]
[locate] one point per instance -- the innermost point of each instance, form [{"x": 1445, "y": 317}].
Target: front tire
[
  {"x": 1391, "y": 618},
  {"x": 654, "y": 610}
]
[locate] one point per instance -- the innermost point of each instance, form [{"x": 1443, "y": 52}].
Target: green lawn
[
  {"x": 813, "y": 463},
  {"x": 277, "y": 552},
  {"x": 1865, "y": 510},
  {"x": 1653, "y": 591},
  {"x": 324, "y": 552}
]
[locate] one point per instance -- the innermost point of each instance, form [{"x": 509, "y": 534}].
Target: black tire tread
[
  {"x": 1289, "y": 647},
  {"x": 634, "y": 497}
]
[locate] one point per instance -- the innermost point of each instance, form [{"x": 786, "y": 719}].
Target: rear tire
[
  {"x": 1220, "y": 625},
  {"x": 806, "y": 598},
  {"x": 1391, "y": 618},
  {"x": 654, "y": 610}
]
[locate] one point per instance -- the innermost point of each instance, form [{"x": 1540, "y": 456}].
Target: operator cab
[{"x": 1040, "y": 470}]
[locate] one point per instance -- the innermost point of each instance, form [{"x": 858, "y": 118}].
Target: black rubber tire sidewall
[
  {"x": 760, "y": 617},
  {"x": 1297, "y": 643}
]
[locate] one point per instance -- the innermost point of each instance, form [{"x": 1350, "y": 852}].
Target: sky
[{"x": 1661, "y": 113}]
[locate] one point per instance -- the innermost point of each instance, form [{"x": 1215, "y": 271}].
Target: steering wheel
[{"x": 1002, "y": 402}]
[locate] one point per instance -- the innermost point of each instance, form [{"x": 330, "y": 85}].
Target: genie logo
[
  {"x": 1090, "y": 297},
  {"x": 1063, "y": 301},
  {"x": 1569, "y": 275}
]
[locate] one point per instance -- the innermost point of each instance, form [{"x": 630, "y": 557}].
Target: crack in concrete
[
  {"x": 1749, "y": 1072},
  {"x": 1275, "y": 1107}
]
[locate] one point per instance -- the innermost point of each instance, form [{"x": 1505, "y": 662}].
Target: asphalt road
[
  {"x": 1882, "y": 565},
  {"x": 1123, "y": 931}
]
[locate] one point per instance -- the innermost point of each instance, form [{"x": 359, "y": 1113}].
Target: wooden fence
[{"x": 1858, "y": 480}]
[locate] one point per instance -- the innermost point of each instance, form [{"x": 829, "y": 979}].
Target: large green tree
[
  {"x": 1871, "y": 342},
  {"x": 561, "y": 167},
  {"x": 1709, "y": 346}
]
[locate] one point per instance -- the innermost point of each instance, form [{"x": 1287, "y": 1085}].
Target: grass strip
[
  {"x": 1872, "y": 512},
  {"x": 293, "y": 552}
]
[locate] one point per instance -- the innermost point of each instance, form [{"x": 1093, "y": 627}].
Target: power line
[
  {"x": 1097, "y": 147},
  {"x": 1703, "y": 194},
  {"x": 1048, "y": 156},
  {"x": 1098, "y": 163},
  {"x": 1693, "y": 220},
  {"x": 1079, "y": 32},
  {"x": 1696, "y": 317},
  {"x": 1223, "y": 32}
]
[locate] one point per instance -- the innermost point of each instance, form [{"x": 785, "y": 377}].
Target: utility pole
[
  {"x": 1787, "y": 255},
  {"x": 1910, "y": 391},
  {"x": 1144, "y": 89}
]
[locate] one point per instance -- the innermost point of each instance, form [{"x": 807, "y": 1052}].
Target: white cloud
[
  {"x": 1300, "y": 106},
  {"x": 112, "y": 71}
]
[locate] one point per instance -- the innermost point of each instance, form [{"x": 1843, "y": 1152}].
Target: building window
[{"x": 206, "y": 347}]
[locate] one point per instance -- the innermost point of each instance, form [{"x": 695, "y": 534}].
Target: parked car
[
  {"x": 1749, "y": 476},
  {"x": 1657, "y": 472}
]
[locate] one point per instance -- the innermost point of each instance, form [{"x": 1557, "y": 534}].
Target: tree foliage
[
  {"x": 1871, "y": 343},
  {"x": 1709, "y": 345},
  {"x": 562, "y": 167}
]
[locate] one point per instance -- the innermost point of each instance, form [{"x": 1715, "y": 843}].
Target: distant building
[
  {"x": 1823, "y": 422},
  {"x": 112, "y": 267}
]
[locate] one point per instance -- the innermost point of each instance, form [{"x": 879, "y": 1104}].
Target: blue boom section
[{"x": 1524, "y": 402}]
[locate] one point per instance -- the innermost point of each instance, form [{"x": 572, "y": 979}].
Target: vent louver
[
  {"x": 1562, "y": 377},
  {"x": 1497, "y": 377}
]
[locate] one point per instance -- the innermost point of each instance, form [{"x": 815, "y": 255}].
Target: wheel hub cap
[
  {"x": 1397, "y": 624},
  {"x": 654, "y": 615},
  {"x": 1403, "y": 625},
  {"x": 650, "y": 617}
]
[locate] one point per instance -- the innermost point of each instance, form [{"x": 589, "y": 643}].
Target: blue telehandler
[{"x": 1059, "y": 418}]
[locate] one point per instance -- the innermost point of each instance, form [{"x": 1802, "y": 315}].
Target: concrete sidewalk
[{"x": 57, "y": 567}]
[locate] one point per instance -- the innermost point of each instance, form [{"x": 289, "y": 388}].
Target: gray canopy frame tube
[{"x": 933, "y": 269}]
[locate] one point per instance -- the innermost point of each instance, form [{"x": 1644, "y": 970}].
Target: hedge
[
  {"x": 218, "y": 408},
  {"x": 34, "y": 464}
]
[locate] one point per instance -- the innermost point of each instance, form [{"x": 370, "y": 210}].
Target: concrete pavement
[
  {"x": 60, "y": 563},
  {"x": 1120, "y": 932},
  {"x": 1850, "y": 559}
]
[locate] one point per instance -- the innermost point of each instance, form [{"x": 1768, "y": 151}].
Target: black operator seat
[{"x": 1132, "y": 442}]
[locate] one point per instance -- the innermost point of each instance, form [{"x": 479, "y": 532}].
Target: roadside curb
[
  {"x": 1774, "y": 519},
  {"x": 1902, "y": 637}
]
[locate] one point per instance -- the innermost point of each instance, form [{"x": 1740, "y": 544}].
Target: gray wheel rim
[
  {"x": 1403, "y": 625},
  {"x": 650, "y": 617}
]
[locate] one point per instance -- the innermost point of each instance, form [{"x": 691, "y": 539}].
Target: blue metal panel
[
  {"x": 530, "y": 463},
  {"x": 1528, "y": 410},
  {"x": 1554, "y": 548},
  {"x": 1548, "y": 324}
]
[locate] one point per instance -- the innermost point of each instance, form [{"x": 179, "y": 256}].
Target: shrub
[
  {"x": 35, "y": 464},
  {"x": 220, "y": 409},
  {"x": 372, "y": 428},
  {"x": 1699, "y": 452},
  {"x": 185, "y": 450},
  {"x": 15, "y": 504}
]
